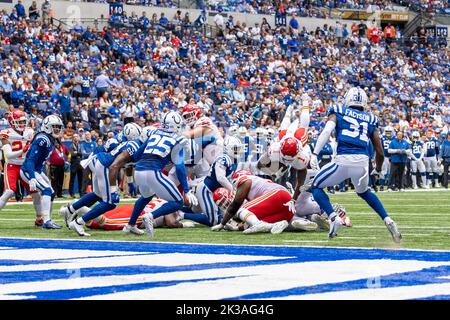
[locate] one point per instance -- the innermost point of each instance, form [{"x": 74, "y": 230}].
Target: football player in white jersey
[
  {"x": 417, "y": 164},
  {"x": 15, "y": 143},
  {"x": 205, "y": 130}
]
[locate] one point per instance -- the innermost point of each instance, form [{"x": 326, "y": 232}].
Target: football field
[
  {"x": 422, "y": 217},
  {"x": 195, "y": 263}
]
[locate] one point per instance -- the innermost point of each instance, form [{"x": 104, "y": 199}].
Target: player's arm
[
  {"x": 325, "y": 135},
  {"x": 115, "y": 167},
  {"x": 220, "y": 171},
  {"x": 305, "y": 115},
  {"x": 29, "y": 166},
  {"x": 241, "y": 194},
  {"x": 180, "y": 170},
  {"x": 301, "y": 176},
  {"x": 194, "y": 133},
  {"x": 7, "y": 150},
  {"x": 378, "y": 147}
]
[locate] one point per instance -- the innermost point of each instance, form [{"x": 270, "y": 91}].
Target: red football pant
[
  {"x": 270, "y": 206},
  {"x": 11, "y": 176},
  {"x": 115, "y": 219}
]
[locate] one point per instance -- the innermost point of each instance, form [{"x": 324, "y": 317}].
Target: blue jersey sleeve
[
  {"x": 138, "y": 153},
  {"x": 132, "y": 147},
  {"x": 32, "y": 158}
]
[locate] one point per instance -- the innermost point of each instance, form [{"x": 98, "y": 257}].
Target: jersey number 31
[{"x": 357, "y": 129}]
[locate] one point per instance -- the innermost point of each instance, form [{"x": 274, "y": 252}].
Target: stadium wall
[{"x": 72, "y": 11}]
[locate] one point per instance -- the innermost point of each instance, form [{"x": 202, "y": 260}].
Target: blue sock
[
  {"x": 382, "y": 181},
  {"x": 436, "y": 177},
  {"x": 137, "y": 209},
  {"x": 131, "y": 189},
  {"x": 198, "y": 217},
  {"x": 98, "y": 210},
  {"x": 323, "y": 200},
  {"x": 375, "y": 203},
  {"x": 86, "y": 201},
  {"x": 167, "y": 208},
  {"x": 187, "y": 209}
]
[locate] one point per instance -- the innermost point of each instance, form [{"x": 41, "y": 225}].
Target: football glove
[
  {"x": 191, "y": 198},
  {"x": 32, "y": 184},
  {"x": 314, "y": 162}
]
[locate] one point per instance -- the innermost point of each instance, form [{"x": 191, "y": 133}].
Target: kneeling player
[{"x": 269, "y": 206}]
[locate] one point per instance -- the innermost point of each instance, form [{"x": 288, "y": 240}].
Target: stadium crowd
[{"x": 100, "y": 80}]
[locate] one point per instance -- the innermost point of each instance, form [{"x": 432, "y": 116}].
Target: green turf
[{"x": 422, "y": 217}]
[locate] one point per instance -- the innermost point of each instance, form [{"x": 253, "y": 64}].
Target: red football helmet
[
  {"x": 290, "y": 147},
  {"x": 18, "y": 120},
  {"x": 191, "y": 114},
  {"x": 222, "y": 198}
]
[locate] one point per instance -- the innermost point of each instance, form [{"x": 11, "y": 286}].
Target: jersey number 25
[{"x": 159, "y": 145}]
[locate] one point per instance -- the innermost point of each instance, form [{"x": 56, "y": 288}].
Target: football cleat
[
  {"x": 39, "y": 222},
  {"x": 396, "y": 235},
  {"x": 340, "y": 210},
  {"x": 335, "y": 225},
  {"x": 147, "y": 219},
  {"x": 66, "y": 214},
  {"x": 279, "y": 227},
  {"x": 78, "y": 228},
  {"x": 133, "y": 229},
  {"x": 321, "y": 220},
  {"x": 303, "y": 224},
  {"x": 261, "y": 226},
  {"x": 51, "y": 225}
]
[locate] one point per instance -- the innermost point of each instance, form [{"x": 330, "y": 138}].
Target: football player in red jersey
[{"x": 15, "y": 143}]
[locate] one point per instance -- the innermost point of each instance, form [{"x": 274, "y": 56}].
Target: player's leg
[
  {"x": 360, "y": 179},
  {"x": 142, "y": 179},
  {"x": 384, "y": 173},
  {"x": 210, "y": 211},
  {"x": 11, "y": 175},
  {"x": 435, "y": 170},
  {"x": 422, "y": 172},
  {"x": 414, "y": 165},
  {"x": 428, "y": 169},
  {"x": 106, "y": 203},
  {"x": 166, "y": 190},
  {"x": 47, "y": 193}
]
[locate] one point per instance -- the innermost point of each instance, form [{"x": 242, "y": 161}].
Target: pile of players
[{"x": 185, "y": 169}]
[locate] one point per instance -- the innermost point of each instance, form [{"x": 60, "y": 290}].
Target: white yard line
[{"x": 401, "y": 227}]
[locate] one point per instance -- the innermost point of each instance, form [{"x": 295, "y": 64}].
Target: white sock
[
  {"x": 388, "y": 220},
  {"x": 5, "y": 197},
  {"x": 331, "y": 216},
  {"x": 72, "y": 209},
  {"x": 180, "y": 215},
  {"x": 81, "y": 221},
  {"x": 414, "y": 180},
  {"x": 424, "y": 181},
  {"x": 37, "y": 203},
  {"x": 46, "y": 203},
  {"x": 248, "y": 217}
]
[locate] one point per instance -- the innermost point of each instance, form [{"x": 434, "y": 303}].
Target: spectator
[
  {"x": 399, "y": 149},
  {"x": 58, "y": 161},
  {"x": 20, "y": 9},
  {"x": 87, "y": 147},
  {"x": 445, "y": 156},
  {"x": 64, "y": 102},
  {"x": 102, "y": 83},
  {"x": 46, "y": 10},
  {"x": 76, "y": 171},
  {"x": 33, "y": 11}
]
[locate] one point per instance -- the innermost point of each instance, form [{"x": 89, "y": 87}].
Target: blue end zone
[{"x": 277, "y": 256}]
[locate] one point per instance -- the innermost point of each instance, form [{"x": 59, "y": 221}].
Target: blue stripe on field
[
  {"x": 421, "y": 277},
  {"x": 303, "y": 253},
  {"x": 86, "y": 292},
  {"x": 54, "y": 274}
]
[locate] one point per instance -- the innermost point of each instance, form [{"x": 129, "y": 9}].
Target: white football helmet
[
  {"x": 389, "y": 132},
  {"x": 242, "y": 131},
  {"x": 132, "y": 131},
  {"x": 233, "y": 130},
  {"x": 356, "y": 97},
  {"x": 416, "y": 136},
  {"x": 259, "y": 132},
  {"x": 53, "y": 126},
  {"x": 172, "y": 122},
  {"x": 146, "y": 132},
  {"x": 232, "y": 146}
]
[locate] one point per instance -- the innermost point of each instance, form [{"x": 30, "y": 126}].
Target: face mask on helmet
[{"x": 222, "y": 198}]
